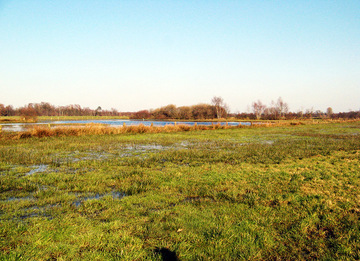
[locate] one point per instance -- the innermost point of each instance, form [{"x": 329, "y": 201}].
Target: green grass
[{"x": 282, "y": 193}]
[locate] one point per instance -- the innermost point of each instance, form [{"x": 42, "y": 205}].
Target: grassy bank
[{"x": 287, "y": 193}]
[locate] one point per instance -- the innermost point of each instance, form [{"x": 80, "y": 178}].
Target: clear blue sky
[{"x": 134, "y": 55}]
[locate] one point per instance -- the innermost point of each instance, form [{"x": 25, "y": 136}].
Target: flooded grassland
[{"x": 227, "y": 194}]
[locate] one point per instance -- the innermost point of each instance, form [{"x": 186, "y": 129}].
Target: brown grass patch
[{"x": 100, "y": 129}]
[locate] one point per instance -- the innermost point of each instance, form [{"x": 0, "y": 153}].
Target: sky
[{"x": 133, "y": 55}]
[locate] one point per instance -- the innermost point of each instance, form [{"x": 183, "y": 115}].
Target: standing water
[{"x": 112, "y": 123}]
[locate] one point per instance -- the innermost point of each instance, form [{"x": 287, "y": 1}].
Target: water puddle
[
  {"x": 133, "y": 150},
  {"x": 146, "y": 147},
  {"x": 78, "y": 202},
  {"x": 16, "y": 127},
  {"x": 36, "y": 211},
  {"x": 114, "y": 194},
  {"x": 140, "y": 150},
  {"x": 37, "y": 169},
  {"x": 81, "y": 156},
  {"x": 94, "y": 156},
  {"x": 31, "y": 215},
  {"x": 30, "y": 211},
  {"x": 268, "y": 142},
  {"x": 117, "y": 194},
  {"x": 11, "y": 199},
  {"x": 185, "y": 144}
]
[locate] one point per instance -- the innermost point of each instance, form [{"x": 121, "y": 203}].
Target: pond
[{"x": 113, "y": 123}]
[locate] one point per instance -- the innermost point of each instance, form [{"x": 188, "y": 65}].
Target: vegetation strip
[{"x": 101, "y": 129}]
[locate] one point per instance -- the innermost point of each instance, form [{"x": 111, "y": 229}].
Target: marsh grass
[
  {"x": 278, "y": 193},
  {"x": 102, "y": 129}
]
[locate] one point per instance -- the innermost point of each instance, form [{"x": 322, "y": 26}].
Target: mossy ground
[{"x": 281, "y": 193}]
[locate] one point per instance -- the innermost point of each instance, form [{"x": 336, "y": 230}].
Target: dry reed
[{"x": 100, "y": 129}]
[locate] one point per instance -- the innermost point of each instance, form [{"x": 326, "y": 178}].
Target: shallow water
[
  {"x": 146, "y": 147},
  {"x": 10, "y": 199},
  {"x": 113, "y": 123},
  {"x": 20, "y": 126},
  {"x": 114, "y": 194},
  {"x": 36, "y": 211},
  {"x": 37, "y": 169}
]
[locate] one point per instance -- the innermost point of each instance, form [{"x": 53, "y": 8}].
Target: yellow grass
[{"x": 100, "y": 129}]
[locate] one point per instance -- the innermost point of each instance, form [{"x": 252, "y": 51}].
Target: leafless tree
[
  {"x": 277, "y": 109},
  {"x": 219, "y": 104},
  {"x": 258, "y": 108},
  {"x": 282, "y": 107},
  {"x": 309, "y": 112}
]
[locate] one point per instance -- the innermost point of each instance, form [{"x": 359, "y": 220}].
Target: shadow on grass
[{"x": 166, "y": 254}]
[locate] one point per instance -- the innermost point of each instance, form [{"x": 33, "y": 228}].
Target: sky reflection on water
[{"x": 113, "y": 123}]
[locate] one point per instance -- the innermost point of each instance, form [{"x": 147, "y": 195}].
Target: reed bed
[{"x": 101, "y": 129}]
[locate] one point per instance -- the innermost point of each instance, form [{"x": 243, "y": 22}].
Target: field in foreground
[{"x": 285, "y": 193}]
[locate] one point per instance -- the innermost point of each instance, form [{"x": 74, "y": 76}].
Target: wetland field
[{"x": 265, "y": 193}]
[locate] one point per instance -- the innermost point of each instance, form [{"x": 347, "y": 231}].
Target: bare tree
[
  {"x": 226, "y": 110},
  {"x": 219, "y": 104},
  {"x": 277, "y": 109},
  {"x": 309, "y": 112},
  {"x": 114, "y": 112},
  {"x": 258, "y": 109},
  {"x": 282, "y": 107}
]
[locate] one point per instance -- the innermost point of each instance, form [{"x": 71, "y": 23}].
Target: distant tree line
[
  {"x": 199, "y": 111},
  {"x": 47, "y": 109},
  {"x": 277, "y": 110},
  {"x": 280, "y": 110},
  {"x": 217, "y": 109}
]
